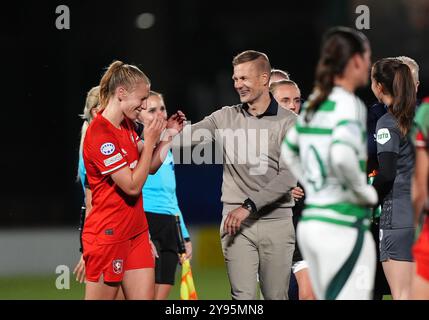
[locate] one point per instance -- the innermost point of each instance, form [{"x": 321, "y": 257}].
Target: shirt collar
[{"x": 271, "y": 110}]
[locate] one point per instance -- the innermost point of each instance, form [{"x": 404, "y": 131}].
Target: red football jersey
[{"x": 115, "y": 216}]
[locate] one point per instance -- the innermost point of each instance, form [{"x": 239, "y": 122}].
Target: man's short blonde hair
[{"x": 252, "y": 55}]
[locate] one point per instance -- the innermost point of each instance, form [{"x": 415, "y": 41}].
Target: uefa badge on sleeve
[
  {"x": 107, "y": 148},
  {"x": 117, "y": 266}
]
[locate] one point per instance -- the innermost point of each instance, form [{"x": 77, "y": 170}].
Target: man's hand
[
  {"x": 234, "y": 219},
  {"x": 175, "y": 123}
]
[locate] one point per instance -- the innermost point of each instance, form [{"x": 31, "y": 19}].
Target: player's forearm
[
  {"x": 141, "y": 171},
  {"x": 160, "y": 153},
  {"x": 345, "y": 164},
  {"x": 383, "y": 181},
  {"x": 88, "y": 202},
  {"x": 292, "y": 160}
]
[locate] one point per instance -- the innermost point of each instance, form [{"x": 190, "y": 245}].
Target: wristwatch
[{"x": 249, "y": 205}]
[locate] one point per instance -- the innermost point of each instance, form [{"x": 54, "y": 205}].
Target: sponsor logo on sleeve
[
  {"x": 383, "y": 135},
  {"x": 107, "y": 148},
  {"x": 112, "y": 160}
]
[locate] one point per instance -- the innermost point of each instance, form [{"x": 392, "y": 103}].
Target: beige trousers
[{"x": 264, "y": 247}]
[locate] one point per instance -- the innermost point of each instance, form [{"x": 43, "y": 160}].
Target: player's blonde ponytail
[{"x": 119, "y": 74}]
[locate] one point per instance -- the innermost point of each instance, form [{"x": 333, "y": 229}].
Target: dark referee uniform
[{"x": 393, "y": 184}]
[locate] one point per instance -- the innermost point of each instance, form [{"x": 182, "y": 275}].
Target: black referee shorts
[
  {"x": 162, "y": 228},
  {"x": 396, "y": 244}
]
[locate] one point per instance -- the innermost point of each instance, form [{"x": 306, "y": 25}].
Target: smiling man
[{"x": 257, "y": 233}]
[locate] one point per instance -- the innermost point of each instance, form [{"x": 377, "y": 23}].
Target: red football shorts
[
  {"x": 112, "y": 260},
  {"x": 421, "y": 251}
]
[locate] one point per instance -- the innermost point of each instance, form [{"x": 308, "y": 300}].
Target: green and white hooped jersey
[{"x": 341, "y": 119}]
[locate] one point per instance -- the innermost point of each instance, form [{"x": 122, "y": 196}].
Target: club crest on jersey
[
  {"x": 107, "y": 148},
  {"x": 117, "y": 266},
  {"x": 383, "y": 135}
]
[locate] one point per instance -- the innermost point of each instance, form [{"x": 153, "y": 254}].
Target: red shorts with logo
[
  {"x": 421, "y": 251},
  {"x": 112, "y": 260}
]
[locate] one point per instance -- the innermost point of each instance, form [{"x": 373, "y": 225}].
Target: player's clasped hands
[{"x": 153, "y": 131}]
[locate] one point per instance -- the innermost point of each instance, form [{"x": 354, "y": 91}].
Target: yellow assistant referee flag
[{"x": 187, "y": 288}]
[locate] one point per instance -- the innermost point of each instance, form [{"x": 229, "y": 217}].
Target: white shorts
[{"x": 337, "y": 269}]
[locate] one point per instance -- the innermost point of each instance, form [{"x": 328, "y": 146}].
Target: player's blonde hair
[
  {"x": 119, "y": 74},
  {"x": 279, "y": 73},
  {"x": 274, "y": 85},
  {"x": 91, "y": 102}
]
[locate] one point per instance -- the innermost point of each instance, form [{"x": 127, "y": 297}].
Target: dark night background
[{"x": 187, "y": 53}]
